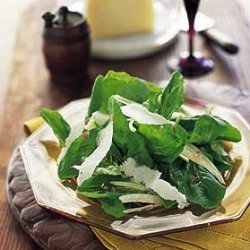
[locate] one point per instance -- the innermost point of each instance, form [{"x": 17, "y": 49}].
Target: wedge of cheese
[{"x": 110, "y": 18}]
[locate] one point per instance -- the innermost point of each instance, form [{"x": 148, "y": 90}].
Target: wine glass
[{"x": 191, "y": 63}]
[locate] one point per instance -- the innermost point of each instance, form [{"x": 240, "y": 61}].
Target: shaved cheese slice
[
  {"x": 141, "y": 174},
  {"x": 194, "y": 154},
  {"x": 140, "y": 114},
  {"x": 87, "y": 168},
  {"x": 151, "y": 179},
  {"x": 169, "y": 192}
]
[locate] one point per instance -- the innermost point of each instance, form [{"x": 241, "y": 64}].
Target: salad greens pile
[{"x": 139, "y": 148}]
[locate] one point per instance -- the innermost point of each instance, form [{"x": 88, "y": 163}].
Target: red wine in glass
[{"x": 191, "y": 63}]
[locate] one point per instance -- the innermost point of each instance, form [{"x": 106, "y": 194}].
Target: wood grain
[{"x": 30, "y": 87}]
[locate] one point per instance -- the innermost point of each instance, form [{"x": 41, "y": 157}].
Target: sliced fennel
[
  {"x": 194, "y": 154},
  {"x": 143, "y": 208},
  {"x": 87, "y": 168},
  {"x": 141, "y": 198},
  {"x": 131, "y": 185}
]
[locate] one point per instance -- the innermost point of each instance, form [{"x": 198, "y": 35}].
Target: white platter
[{"x": 50, "y": 193}]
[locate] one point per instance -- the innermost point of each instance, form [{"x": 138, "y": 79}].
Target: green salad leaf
[
  {"x": 59, "y": 126},
  {"x": 172, "y": 96},
  {"x": 119, "y": 83},
  {"x": 78, "y": 150},
  {"x": 207, "y": 128},
  {"x": 170, "y": 99},
  {"x": 185, "y": 155},
  {"x": 199, "y": 186},
  {"x": 113, "y": 207},
  {"x": 100, "y": 187},
  {"x": 131, "y": 144},
  {"x": 165, "y": 142}
]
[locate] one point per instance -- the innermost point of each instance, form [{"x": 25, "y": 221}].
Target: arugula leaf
[
  {"x": 78, "y": 150},
  {"x": 172, "y": 96},
  {"x": 165, "y": 142},
  {"x": 113, "y": 207},
  {"x": 131, "y": 144},
  {"x": 99, "y": 187},
  {"x": 113, "y": 155},
  {"x": 170, "y": 99},
  {"x": 207, "y": 128},
  {"x": 119, "y": 83},
  {"x": 199, "y": 186},
  {"x": 59, "y": 126},
  {"x": 154, "y": 91}
]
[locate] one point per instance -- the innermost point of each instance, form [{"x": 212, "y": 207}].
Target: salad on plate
[{"x": 140, "y": 148}]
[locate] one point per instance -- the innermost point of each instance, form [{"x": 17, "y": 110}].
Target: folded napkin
[{"x": 230, "y": 236}]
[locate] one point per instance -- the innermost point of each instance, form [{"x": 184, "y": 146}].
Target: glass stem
[
  {"x": 191, "y": 7},
  {"x": 191, "y": 33}
]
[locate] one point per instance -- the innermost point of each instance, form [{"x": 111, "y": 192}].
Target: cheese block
[{"x": 110, "y": 18}]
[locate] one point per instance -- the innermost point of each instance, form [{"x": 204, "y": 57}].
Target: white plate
[
  {"x": 167, "y": 26},
  {"x": 50, "y": 193}
]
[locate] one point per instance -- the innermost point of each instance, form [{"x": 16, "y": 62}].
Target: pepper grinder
[{"x": 66, "y": 46}]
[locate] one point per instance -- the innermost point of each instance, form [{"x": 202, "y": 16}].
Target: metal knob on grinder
[{"x": 66, "y": 46}]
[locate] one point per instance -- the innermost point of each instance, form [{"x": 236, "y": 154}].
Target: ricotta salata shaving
[
  {"x": 140, "y": 114},
  {"x": 87, "y": 168},
  {"x": 151, "y": 179}
]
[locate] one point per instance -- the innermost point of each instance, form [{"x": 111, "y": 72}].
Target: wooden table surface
[{"x": 29, "y": 87}]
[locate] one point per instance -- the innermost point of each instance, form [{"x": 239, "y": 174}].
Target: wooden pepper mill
[{"x": 66, "y": 46}]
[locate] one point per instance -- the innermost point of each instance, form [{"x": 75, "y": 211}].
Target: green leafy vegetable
[
  {"x": 185, "y": 155},
  {"x": 207, "y": 128},
  {"x": 59, "y": 126},
  {"x": 119, "y": 83},
  {"x": 169, "y": 204},
  {"x": 78, "y": 150},
  {"x": 113, "y": 207},
  {"x": 172, "y": 96},
  {"x": 165, "y": 142},
  {"x": 199, "y": 186},
  {"x": 170, "y": 99},
  {"x": 100, "y": 187},
  {"x": 131, "y": 144}
]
